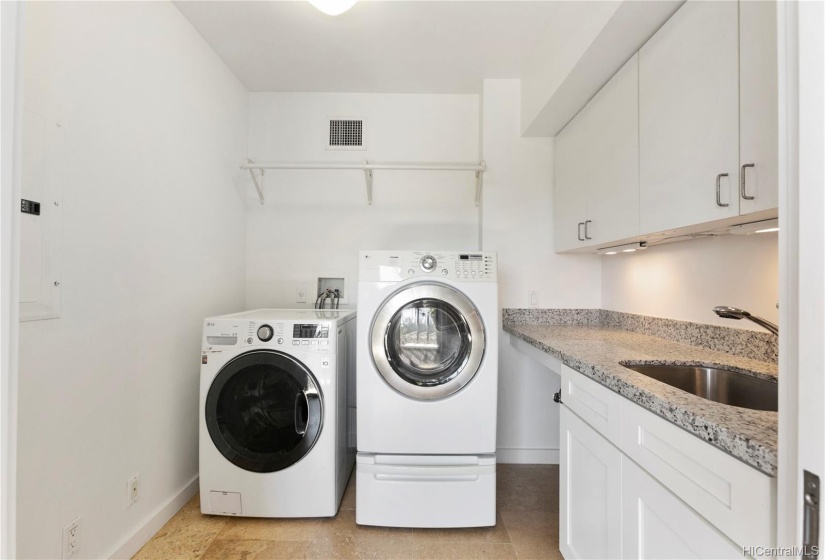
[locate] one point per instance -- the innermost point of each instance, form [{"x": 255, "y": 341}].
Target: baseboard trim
[
  {"x": 155, "y": 521},
  {"x": 528, "y": 455}
]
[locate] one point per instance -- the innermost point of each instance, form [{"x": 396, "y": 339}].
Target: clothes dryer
[{"x": 427, "y": 382}]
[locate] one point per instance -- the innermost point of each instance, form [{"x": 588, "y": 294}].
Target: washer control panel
[
  {"x": 479, "y": 266},
  {"x": 313, "y": 336}
]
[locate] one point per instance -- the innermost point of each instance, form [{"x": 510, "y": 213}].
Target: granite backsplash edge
[{"x": 739, "y": 342}]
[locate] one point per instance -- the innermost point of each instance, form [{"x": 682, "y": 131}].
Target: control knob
[
  {"x": 265, "y": 333},
  {"x": 428, "y": 263}
]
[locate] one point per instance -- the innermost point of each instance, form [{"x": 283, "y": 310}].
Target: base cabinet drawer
[
  {"x": 736, "y": 498},
  {"x": 658, "y": 525},
  {"x": 590, "y": 498},
  {"x": 594, "y": 403}
]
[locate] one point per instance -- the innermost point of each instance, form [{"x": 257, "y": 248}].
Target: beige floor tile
[
  {"x": 534, "y": 534},
  {"x": 254, "y": 528},
  {"x": 463, "y": 551},
  {"x": 195, "y": 502},
  {"x": 343, "y": 525},
  {"x": 495, "y": 534},
  {"x": 527, "y": 527},
  {"x": 224, "y": 549},
  {"x": 186, "y": 536},
  {"x": 341, "y": 537},
  {"x": 348, "y": 501},
  {"x": 527, "y": 487}
]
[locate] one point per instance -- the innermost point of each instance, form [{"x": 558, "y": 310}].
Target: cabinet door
[
  {"x": 658, "y": 525},
  {"x": 570, "y": 188},
  {"x": 758, "y": 106},
  {"x": 612, "y": 173},
  {"x": 689, "y": 117},
  {"x": 590, "y": 492}
]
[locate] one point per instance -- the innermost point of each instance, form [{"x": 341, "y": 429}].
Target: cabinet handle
[
  {"x": 742, "y": 181},
  {"x": 719, "y": 190},
  {"x": 580, "y": 231},
  {"x": 586, "y": 228}
]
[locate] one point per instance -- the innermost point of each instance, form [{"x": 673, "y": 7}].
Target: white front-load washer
[
  {"x": 276, "y": 434},
  {"x": 427, "y": 381}
]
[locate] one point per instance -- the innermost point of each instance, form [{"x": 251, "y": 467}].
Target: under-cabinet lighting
[
  {"x": 764, "y": 226},
  {"x": 333, "y": 7},
  {"x": 626, "y": 248}
]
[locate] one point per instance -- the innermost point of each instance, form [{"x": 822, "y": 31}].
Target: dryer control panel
[{"x": 387, "y": 266}]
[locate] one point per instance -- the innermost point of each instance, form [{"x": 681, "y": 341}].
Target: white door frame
[
  {"x": 11, "y": 103},
  {"x": 802, "y": 252}
]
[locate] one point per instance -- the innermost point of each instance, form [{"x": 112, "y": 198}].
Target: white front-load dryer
[
  {"x": 427, "y": 383},
  {"x": 275, "y": 419}
]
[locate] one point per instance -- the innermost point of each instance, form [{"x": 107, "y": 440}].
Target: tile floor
[{"x": 526, "y": 528}]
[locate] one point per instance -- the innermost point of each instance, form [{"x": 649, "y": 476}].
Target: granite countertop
[{"x": 595, "y": 351}]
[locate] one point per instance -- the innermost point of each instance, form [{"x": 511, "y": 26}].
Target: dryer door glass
[
  {"x": 264, "y": 411},
  {"x": 428, "y": 341}
]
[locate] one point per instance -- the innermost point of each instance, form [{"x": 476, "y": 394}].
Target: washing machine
[
  {"x": 276, "y": 421},
  {"x": 427, "y": 382}
]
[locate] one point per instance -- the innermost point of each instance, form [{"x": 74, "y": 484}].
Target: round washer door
[
  {"x": 264, "y": 411},
  {"x": 427, "y": 341}
]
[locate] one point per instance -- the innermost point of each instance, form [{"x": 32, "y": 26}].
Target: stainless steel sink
[{"x": 719, "y": 385}]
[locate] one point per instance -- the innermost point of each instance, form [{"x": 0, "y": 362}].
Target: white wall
[
  {"x": 685, "y": 280},
  {"x": 518, "y": 223},
  {"x": 10, "y": 110},
  {"x": 556, "y": 54},
  {"x": 153, "y": 242},
  {"x": 315, "y": 222}
]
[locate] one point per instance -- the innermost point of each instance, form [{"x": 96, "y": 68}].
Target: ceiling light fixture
[
  {"x": 627, "y": 248},
  {"x": 764, "y": 226},
  {"x": 333, "y": 7}
]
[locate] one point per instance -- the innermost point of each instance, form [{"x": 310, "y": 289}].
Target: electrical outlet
[
  {"x": 533, "y": 298},
  {"x": 300, "y": 294},
  {"x": 133, "y": 490},
  {"x": 71, "y": 539}
]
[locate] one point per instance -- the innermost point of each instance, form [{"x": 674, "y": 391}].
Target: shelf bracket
[
  {"x": 479, "y": 184},
  {"x": 368, "y": 179},
  {"x": 258, "y": 186}
]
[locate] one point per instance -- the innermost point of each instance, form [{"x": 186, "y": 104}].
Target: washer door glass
[
  {"x": 428, "y": 341},
  {"x": 264, "y": 411}
]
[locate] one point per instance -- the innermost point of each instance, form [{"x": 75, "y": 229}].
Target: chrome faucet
[{"x": 733, "y": 313}]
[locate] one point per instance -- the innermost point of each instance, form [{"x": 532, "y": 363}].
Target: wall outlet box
[
  {"x": 133, "y": 490},
  {"x": 300, "y": 294},
  {"x": 533, "y": 298},
  {"x": 71, "y": 539}
]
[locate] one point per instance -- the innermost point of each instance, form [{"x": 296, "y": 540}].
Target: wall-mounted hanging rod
[{"x": 367, "y": 168}]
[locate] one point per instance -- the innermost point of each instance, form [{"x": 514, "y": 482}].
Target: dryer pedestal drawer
[{"x": 425, "y": 491}]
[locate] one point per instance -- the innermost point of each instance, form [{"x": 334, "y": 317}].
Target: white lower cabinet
[
  {"x": 658, "y": 525},
  {"x": 590, "y": 503},
  {"x": 633, "y": 485}
]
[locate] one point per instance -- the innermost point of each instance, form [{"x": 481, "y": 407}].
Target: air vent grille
[{"x": 346, "y": 134}]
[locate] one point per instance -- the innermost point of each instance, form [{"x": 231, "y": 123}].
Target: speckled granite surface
[
  {"x": 551, "y": 316},
  {"x": 749, "y": 435},
  {"x": 762, "y": 346}
]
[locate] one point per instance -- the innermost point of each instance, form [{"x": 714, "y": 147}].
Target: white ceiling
[{"x": 380, "y": 46}]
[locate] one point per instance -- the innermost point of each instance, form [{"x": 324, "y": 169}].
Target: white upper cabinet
[
  {"x": 597, "y": 172},
  {"x": 758, "y": 107},
  {"x": 689, "y": 118},
  {"x": 570, "y": 191}
]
